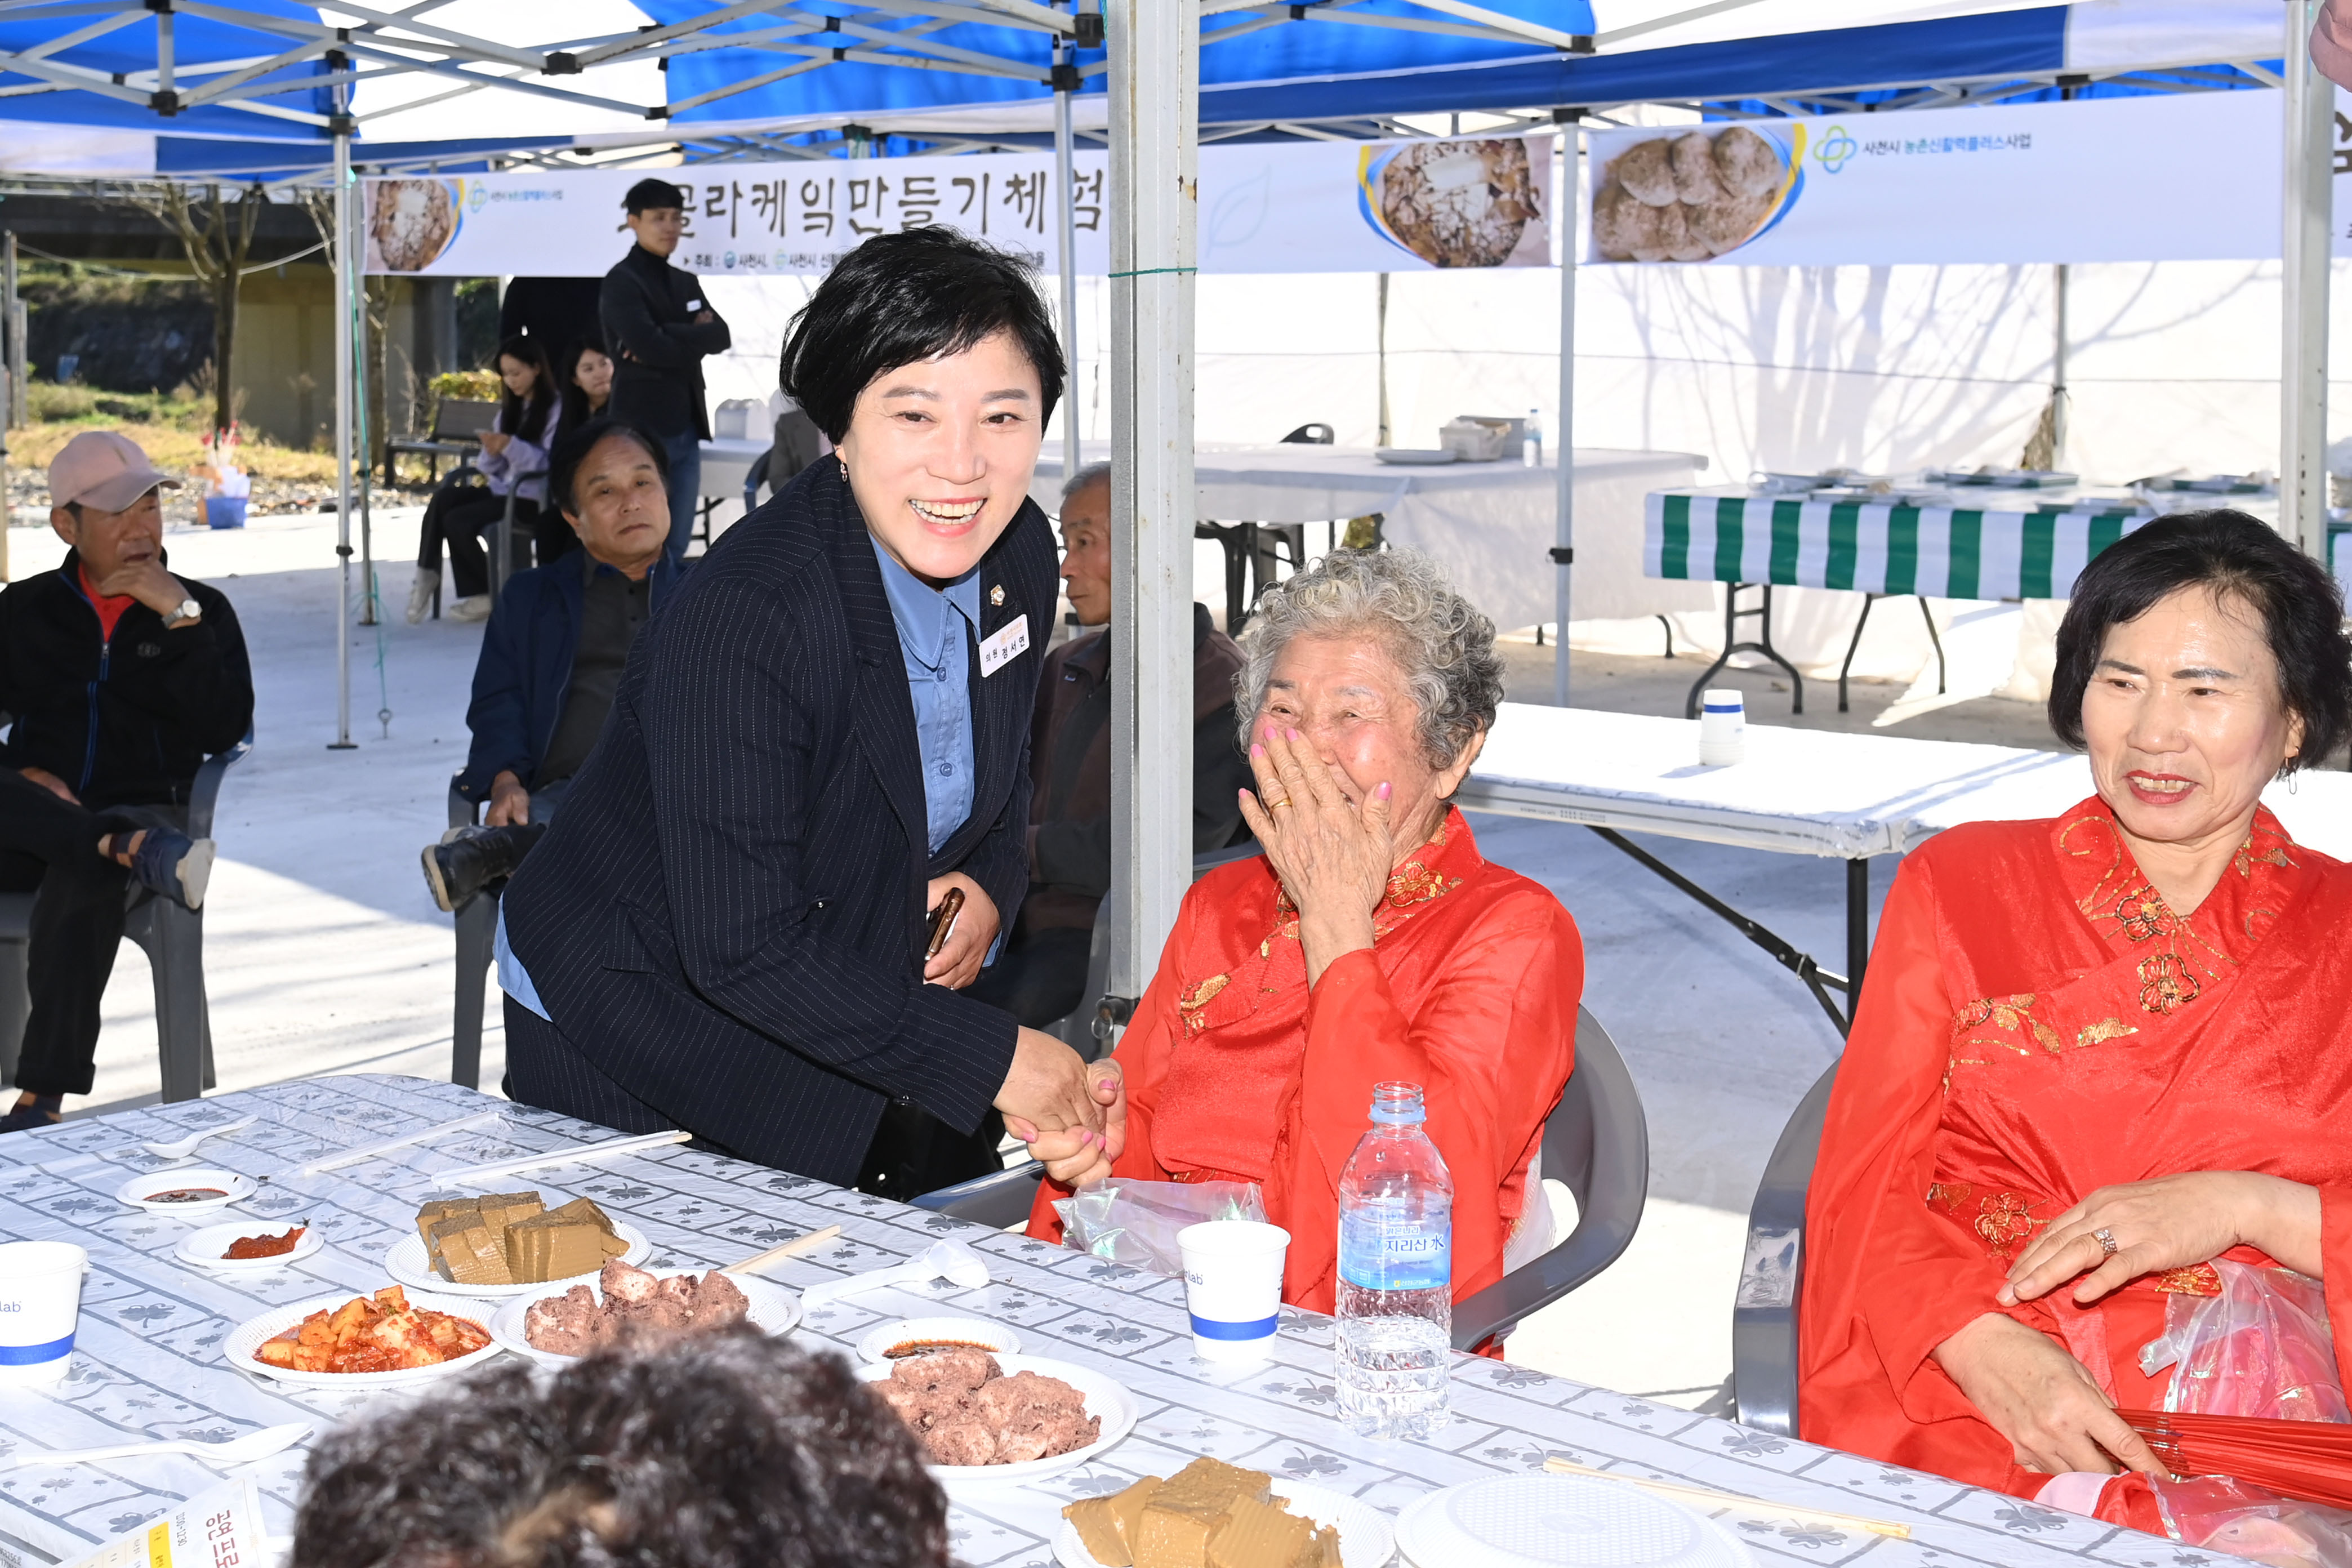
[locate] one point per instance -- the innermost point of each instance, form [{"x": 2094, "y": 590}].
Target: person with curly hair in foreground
[{"x": 732, "y": 1450}]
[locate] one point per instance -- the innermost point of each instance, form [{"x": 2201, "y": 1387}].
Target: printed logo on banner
[{"x": 1835, "y": 149}]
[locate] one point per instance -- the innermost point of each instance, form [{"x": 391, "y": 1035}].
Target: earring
[{"x": 842, "y": 466}]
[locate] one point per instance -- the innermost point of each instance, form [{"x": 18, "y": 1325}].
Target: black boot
[{"x": 468, "y": 860}]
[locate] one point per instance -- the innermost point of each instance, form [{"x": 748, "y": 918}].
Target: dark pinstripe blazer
[{"x": 726, "y": 922}]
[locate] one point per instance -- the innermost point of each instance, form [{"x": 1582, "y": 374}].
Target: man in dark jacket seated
[
  {"x": 553, "y": 654},
  {"x": 120, "y": 678},
  {"x": 1041, "y": 974}
]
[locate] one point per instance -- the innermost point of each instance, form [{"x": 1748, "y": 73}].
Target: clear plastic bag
[
  {"x": 2263, "y": 1348},
  {"x": 2225, "y": 1515},
  {"x": 1135, "y": 1222}
]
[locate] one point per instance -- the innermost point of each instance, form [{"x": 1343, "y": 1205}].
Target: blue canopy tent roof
[{"x": 74, "y": 63}]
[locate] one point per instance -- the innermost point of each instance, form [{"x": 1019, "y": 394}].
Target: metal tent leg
[{"x": 1857, "y": 927}]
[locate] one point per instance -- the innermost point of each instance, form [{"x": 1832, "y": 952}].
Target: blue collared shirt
[{"x": 930, "y": 624}]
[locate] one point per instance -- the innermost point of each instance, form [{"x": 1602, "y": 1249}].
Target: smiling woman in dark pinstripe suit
[{"x": 822, "y": 731}]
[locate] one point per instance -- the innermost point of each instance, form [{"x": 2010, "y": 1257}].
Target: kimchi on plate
[{"x": 383, "y": 1333}]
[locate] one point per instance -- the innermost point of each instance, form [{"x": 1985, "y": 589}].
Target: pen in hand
[{"x": 943, "y": 920}]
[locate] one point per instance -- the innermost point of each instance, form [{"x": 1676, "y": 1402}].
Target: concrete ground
[{"x": 325, "y": 954}]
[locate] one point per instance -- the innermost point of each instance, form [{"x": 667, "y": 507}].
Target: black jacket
[
  {"x": 658, "y": 347},
  {"x": 126, "y": 719},
  {"x": 726, "y": 921}
]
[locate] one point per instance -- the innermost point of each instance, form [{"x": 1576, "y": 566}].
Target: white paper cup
[
  {"x": 40, "y": 1305},
  {"x": 1232, "y": 1286},
  {"x": 1722, "y": 728}
]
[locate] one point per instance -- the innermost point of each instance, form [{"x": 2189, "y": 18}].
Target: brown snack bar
[
  {"x": 1260, "y": 1535},
  {"x": 1183, "y": 1516},
  {"x": 553, "y": 1246},
  {"x": 466, "y": 1251},
  {"x": 436, "y": 1209},
  {"x": 500, "y": 1210},
  {"x": 1107, "y": 1524}
]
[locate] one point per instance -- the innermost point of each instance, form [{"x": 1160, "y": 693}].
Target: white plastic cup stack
[
  {"x": 40, "y": 1308},
  {"x": 1232, "y": 1286},
  {"x": 1722, "y": 728}
]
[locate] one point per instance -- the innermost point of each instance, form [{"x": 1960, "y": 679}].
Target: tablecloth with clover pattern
[{"x": 147, "y": 1361}]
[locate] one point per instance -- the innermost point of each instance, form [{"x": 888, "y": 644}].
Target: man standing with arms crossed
[{"x": 659, "y": 328}]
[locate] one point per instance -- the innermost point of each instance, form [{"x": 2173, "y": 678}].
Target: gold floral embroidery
[
  {"x": 2014, "y": 1014},
  {"x": 2167, "y": 984},
  {"x": 1414, "y": 883},
  {"x": 2142, "y": 914},
  {"x": 2003, "y": 1220},
  {"x": 2198, "y": 1279},
  {"x": 2248, "y": 857},
  {"x": 1203, "y": 993},
  {"x": 1949, "y": 1195}
]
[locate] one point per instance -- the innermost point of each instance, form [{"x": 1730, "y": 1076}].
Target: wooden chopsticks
[
  {"x": 791, "y": 1249},
  {"x": 1676, "y": 1492}
]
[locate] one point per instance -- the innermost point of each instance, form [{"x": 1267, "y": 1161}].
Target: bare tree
[{"x": 218, "y": 235}]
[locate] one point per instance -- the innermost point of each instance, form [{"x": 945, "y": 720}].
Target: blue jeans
[{"x": 685, "y": 455}]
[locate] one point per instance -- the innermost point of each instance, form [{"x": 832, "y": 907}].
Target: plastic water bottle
[
  {"x": 1531, "y": 440},
  {"x": 1396, "y": 1274}
]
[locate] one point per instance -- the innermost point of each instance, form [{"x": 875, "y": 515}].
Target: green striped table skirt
[{"x": 1945, "y": 552}]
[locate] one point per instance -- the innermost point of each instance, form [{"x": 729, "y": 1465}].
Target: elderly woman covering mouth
[
  {"x": 1371, "y": 942},
  {"x": 2099, "y": 1075}
]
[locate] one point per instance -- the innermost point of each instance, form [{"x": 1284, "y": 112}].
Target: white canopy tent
[{"x": 447, "y": 65}]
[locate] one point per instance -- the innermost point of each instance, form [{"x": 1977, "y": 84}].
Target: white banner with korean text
[
  {"x": 1358, "y": 206},
  {"x": 2186, "y": 177}
]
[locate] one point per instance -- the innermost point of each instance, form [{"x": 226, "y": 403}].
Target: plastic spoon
[
  {"x": 181, "y": 1147},
  {"x": 236, "y": 1451},
  {"x": 952, "y": 1260}
]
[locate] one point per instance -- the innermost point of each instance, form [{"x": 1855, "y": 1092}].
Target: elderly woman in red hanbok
[
  {"x": 1371, "y": 940},
  {"x": 2101, "y": 1060}
]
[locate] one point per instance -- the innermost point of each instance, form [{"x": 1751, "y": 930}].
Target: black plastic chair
[
  {"x": 477, "y": 925},
  {"x": 1311, "y": 435},
  {"x": 1764, "y": 1315},
  {"x": 173, "y": 938},
  {"x": 1596, "y": 1141}
]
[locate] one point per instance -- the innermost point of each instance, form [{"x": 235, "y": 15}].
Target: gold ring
[{"x": 1272, "y": 804}]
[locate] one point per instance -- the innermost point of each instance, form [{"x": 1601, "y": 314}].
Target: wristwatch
[{"x": 188, "y": 610}]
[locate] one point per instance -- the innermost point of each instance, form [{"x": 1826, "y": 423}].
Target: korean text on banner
[
  {"x": 1357, "y": 206},
  {"x": 2187, "y": 177}
]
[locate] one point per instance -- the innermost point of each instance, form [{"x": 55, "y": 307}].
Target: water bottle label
[{"x": 1381, "y": 1250}]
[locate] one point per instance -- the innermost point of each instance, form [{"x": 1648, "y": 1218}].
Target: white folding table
[
  {"x": 1802, "y": 792},
  {"x": 1491, "y": 524}
]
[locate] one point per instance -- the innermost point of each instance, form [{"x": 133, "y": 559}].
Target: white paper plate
[
  {"x": 249, "y": 1336},
  {"x": 1560, "y": 1521},
  {"x": 202, "y": 1248},
  {"x": 775, "y": 1310},
  {"x": 1415, "y": 456},
  {"x": 1366, "y": 1538},
  {"x": 993, "y": 1338},
  {"x": 406, "y": 1262},
  {"x": 139, "y": 1191},
  {"x": 1106, "y": 1399}
]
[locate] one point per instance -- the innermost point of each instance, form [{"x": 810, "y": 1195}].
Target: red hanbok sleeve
[
  {"x": 1886, "y": 1281},
  {"x": 1491, "y": 1046}
]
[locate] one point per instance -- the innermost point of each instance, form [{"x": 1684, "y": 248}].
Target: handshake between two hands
[{"x": 1079, "y": 1152}]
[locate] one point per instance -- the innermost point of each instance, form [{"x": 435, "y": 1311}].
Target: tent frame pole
[
  {"x": 344, "y": 361},
  {"x": 1563, "y": 456},
  {"x": 2304, "y": 277},
  {"x": 1155, "y": 65},
  {"x": 1067, "y": 211}
]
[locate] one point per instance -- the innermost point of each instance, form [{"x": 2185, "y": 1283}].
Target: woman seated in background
[
  {"x": 513, "y": 463},
  {"x": 2100, "y": 1061},
  {"x": 585, "y": 378},
  {"x": 1370, "y": 942}
]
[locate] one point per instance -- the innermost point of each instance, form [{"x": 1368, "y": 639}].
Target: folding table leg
[
  {"x": 1935, "y": 640},
  {"x": 1732, "y": 615},
  {"x": 1854, "y": 647},
  {"x": 1857, "y": 927}
]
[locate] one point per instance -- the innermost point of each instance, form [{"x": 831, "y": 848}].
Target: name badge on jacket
[{"x": 1010, "y": 640}]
